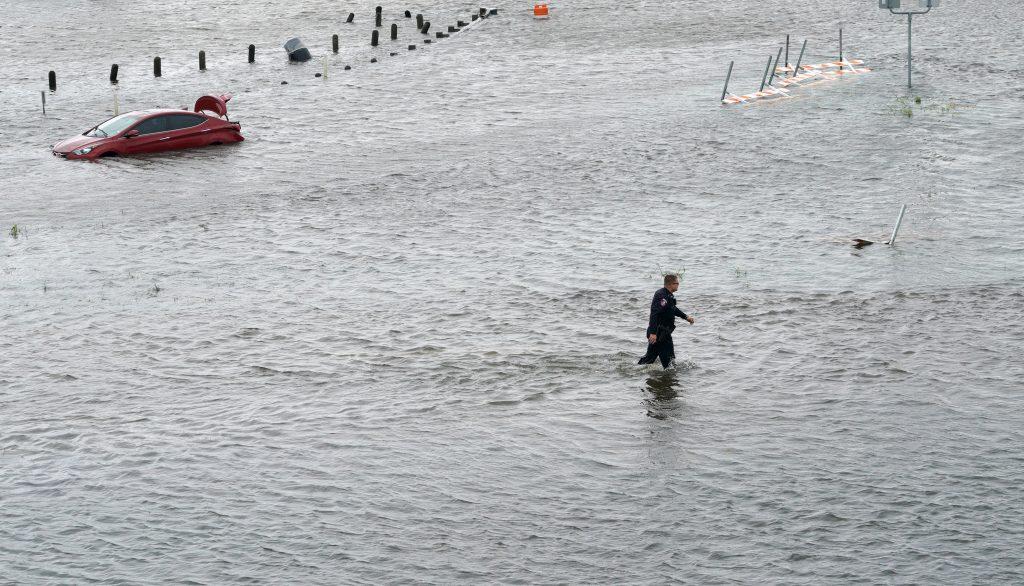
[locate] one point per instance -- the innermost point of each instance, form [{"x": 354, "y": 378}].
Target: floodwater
[{"x": 391, "y": 337}]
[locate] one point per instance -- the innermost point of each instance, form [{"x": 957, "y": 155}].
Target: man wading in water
[{"x": 662, "y": 322}]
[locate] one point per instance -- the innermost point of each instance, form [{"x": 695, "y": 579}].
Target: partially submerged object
[
  {"x": 150, "y": 131},
  {"x": 777, "y": 87},
  {"x": 861, "y": 243},
  {"x": 297, "y": 51}
]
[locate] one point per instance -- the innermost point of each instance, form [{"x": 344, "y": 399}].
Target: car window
[
  {"x": 154, "y": 124},
  {"x": 179, "y": 121},
  {"x": 113, "y": 126}
]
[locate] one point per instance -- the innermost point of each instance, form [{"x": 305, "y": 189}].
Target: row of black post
[{"x": 421, "y": 25}]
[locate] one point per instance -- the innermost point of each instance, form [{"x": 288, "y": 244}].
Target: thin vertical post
[
  {"x": 796, "y": 69},
  {"x": 765, "y": 76},
  {"x": 910, "y": 57},
  {"x": 156, "y": 67},
  {"x": 202, "y": 61},
  {"x": 252, "y": 53},
  {"x": 394, "y": 31},
  {"x": 727, "y": 76},
  {"x": 42, "y": 94},
  {"x": 113, "y": 74},
  {"x": 840, "y": 44},
  {"x": 334, "y": 43},
  {"x": 787, "y": 50},
  {"x": 777, "y": 57},
  {"x": 53, "y": 81},
  {"x": 896, "y": 228}
]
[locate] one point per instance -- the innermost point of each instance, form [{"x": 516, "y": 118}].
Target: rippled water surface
[{"x": 391, "y": 337}]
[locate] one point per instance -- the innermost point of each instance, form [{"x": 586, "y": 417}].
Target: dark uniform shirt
[{"x": 663, "y": 313}]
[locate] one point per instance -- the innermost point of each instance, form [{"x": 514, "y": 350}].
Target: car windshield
[{"x": 113, "y": 126}]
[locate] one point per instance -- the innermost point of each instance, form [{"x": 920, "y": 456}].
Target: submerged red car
[{"x": 151, "y": 131}]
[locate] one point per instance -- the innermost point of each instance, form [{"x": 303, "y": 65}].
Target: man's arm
[
  {"x": 655, "y": 320},
  {"x": 680, "y": 313}
]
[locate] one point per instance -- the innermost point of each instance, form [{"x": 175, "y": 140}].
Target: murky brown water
[{"x": 391, "y": 337}]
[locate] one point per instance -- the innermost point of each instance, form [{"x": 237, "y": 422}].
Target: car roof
[{"x": 155, "y": 111}]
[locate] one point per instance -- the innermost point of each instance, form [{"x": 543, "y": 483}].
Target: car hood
[{"x": 76, "y": 142}]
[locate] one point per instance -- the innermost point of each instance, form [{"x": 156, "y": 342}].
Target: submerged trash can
[{"x": 296, "y": 50}]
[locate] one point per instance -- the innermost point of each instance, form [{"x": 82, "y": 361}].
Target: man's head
[{"x": 672, "y": 282}]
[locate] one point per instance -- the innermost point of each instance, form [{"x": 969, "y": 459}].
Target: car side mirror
[{"x": 131, "y": 134}]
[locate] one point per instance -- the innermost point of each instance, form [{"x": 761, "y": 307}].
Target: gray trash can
[{"x": 296, "y": 50}]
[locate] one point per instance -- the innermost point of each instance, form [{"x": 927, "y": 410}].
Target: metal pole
[
  {"x": 896, "y": 228},
  {"x": 910, "y": 19},
  {"x": 727, "y": 76},
  {"x": 765, "y": 76},
  {"x": 800, "y": 58},
  {"x": 840, "y": 44},
  {"x": 772, "y": 78},
  {"x": 42, "y": 94},
  {"x": 787, "y": 50}
]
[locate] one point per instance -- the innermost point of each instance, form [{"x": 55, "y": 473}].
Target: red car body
[{"x": 151, "y": 131}]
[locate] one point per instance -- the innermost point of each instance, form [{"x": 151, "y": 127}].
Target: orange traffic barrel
[{"x": 540, "y": 10}]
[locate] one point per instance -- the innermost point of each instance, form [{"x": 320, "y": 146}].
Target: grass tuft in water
[
  {"x": 907, "y": 108},
  {"x": 678, "y": 272}
]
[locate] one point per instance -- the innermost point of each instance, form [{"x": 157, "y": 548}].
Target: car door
[
  {"x": 187, "y": 131},
  {"x": 152, "y": 135}
]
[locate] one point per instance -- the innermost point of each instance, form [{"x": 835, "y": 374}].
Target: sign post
[{"x": 892, "y": 6}]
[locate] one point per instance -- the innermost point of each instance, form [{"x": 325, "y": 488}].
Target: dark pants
[{"x": 663, "y": 349}]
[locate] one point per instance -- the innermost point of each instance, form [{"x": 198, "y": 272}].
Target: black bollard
[
  {"x": 252, "y": 53},
  {"x": 483, "y": 12},
  {"x": 474, "y": 17},
  {"x": 439, "y": 35},
  {"x": 419, "y": 21},
  {"x": 408, "y": 14},
  {"x": 394, "y": 31},
  {"x": 377, "y": 20},
  {"x": 426, "y": 27},
  {"x": 412, "y": 47},
  {"x": 348, "y": 67},
  {"x": 156, "y": 67},
  {"x": 374, "y": 60},
  {"x": 452, "y": 29},
  {"x": 53, "y": 81},
  {"x": 373, "y": 38},
  {"x": 334, "y": 43},
  {"x": 427, "y": 41},
  {"x": 392, "y": 54},
  {"x": 202, "y": 61},
  {"x": 113, "y": 73},
  {"x": 351, "y": 17}
]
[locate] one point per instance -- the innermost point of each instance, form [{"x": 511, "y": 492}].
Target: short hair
[{"x": 671, "y": 278}]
